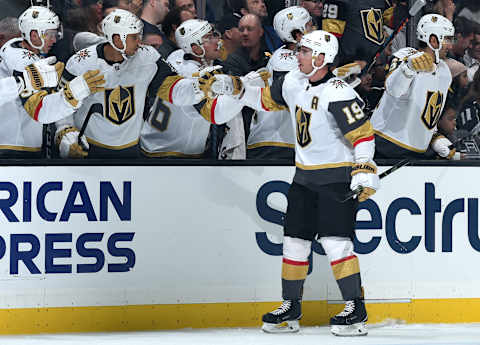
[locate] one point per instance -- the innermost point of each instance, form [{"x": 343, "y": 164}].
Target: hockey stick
[
  {"x": 96, "y": 108},
  {"x": 412, "y": 12},
  {"x": 384, "y": 174}
]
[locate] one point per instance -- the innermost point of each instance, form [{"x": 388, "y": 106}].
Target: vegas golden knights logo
[
  {"x": 372, "y": 20},
  {"x": 119, "y": 104},
  {"x": 433, "y": 109},
  {"x": 303, "y": 127}
]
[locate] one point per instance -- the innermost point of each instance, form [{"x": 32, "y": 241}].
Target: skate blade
[
  {"x": 284, "y": 327},
  {"x": 355, "y": 330}
]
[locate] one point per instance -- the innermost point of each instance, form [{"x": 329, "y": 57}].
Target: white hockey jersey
[
  {"x": 274, "y": 128},
  {"x": 410, "y": 108},
  {"x": 172, "y": 130},
  {"x": 8, "y": 90},
  {"x": 21, "y": 129},
  {"x": 328, "y": 119},
  {"x": 117, "y": 113}
]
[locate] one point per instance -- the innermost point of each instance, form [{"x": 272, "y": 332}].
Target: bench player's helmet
[
  {"x": 320, "y": 42},
  {"x": 43, "y": 21},
  {"x": 436, "y": 25},
  {"x": 122, "y": 23},
  {"x": 192, "y": 32},
  {"x": 290, "y": 19}
]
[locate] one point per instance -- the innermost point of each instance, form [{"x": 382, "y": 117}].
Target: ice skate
[
  {"x": 351, "y": 321},
  {"x": 284, "y": 319}
]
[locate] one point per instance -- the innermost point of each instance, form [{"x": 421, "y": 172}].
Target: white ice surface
[{"x": 380, "y": 334}]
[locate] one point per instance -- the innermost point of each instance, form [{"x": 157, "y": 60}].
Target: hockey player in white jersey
[
  {"x": 334, "y": 154},
  {"x": 21, "y": 135},
  {"x": 271, "y": 134},
  {"x": 44, "y": 73},
  {"x": 131, "y": 70},
  {"x": 415, "y": 93},
  {"x": 179, "y": 131}
]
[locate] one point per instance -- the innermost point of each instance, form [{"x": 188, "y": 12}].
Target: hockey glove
[
  {"x": 440, "y": 145},
  {"x": 205, "y": 79},
  {"x": 227, "y": 85},
  {"x": 66, "y": 139},
  {"x": 43, "y": 73},
  {"x": 349, "y": 73},
  {"x": 83, "y": 86},
  {"x": 421, "y": 62},
  {"x": 365, "y": 180},
  {"x": 257, "y": 78}
]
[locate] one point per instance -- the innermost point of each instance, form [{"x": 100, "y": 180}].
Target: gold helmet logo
[
  {"x": 290, "y": 16},
  {"x": 433, "y": 109},
  {"x": 327, "y": 38},
  {"x": 372, "y": 21},
  {"x": 434, "y": 19},
  {"x": 117, "y": 19},
  {"x": 182, "y": 31},
  {"x": 35, "y": 14}
]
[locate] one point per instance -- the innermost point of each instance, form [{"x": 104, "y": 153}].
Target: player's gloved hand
[
  {"x": 349, "y": 73},
  {"x": 421, "y": 62},
  {"x": 257, "y": 78},
  {"x": 230, "y": 85},
  {"x": 365, "y": 180},
  {"x": 66, "y": 139},
  {"x": 441, "y": 146},
  {"x": 83, "y": 86},
  {"x": 43, "y": 73},
  {"x": 204, "y": 80}
]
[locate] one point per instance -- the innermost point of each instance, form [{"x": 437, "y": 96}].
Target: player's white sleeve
[
  {"x": 399, "y": 81},
  {"x": 9, "y": 89},
  {"x": 47, "y": 108},
  {"x": 226, "y": 108},
  {"x": 185, "y": 92},
  {"x": 260, "y": 99}
]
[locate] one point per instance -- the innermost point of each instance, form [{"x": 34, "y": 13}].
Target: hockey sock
[
  {"x": 294, "y": 267},
  {"x": 345, "y": 265}
]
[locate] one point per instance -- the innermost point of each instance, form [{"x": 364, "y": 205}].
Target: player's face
[
  {"x": 132, "y": 43},
  {"x": 314, "y": 7},
  {"x": 446, "y": 46},
  {"x": 211, "y": 46},
  {"x": 304, "y": 58}
]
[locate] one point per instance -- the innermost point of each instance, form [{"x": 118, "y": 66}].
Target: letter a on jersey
[
  {"x": 303, "y": 126},
  {"x": 119, "y": 104},
  {"x": 372, "y": 21},
  {"x": 433, "y": 109}
]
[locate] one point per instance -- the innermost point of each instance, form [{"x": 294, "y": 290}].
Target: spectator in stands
[
  {"x": 459, "y": 87},
  {"x": 315, "y": 8},
  {"x": 188, "y": 5},
  {"x": 171, "y": 22},
  {"x": 251, "y": 56},
  {"x": 472, "y": 56},
  {"x": 153, "y": 14},
  {"x": 134, "y": 6},
  {"x": 153, "y": 40},
  {"x": 445, "y": 8},
  {"x": 464, "y": 30},
  {"x": 469, "y": 114},
  {"x": 258, "y": 8},
  {"x": 8, "y": 29},
  {"x": 231, "y": 36},
  {"x": 444, "y": 136}
]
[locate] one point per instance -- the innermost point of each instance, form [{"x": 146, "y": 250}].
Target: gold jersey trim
[
  {"x": 398, "y": 143},
  {"x": 32, "y": 103},
  {"x": 20, "y": 148},
  {"x": 334, "y": 26},
  {"x": 267, "y": 101},
  {"x": 121, "y": 147},
  {"x": 324, "y": 166},
  {"x": 270, "y": 143},
  {"x": 171, "y": 154},
  {"x": 364, "y": 131},
  {"x": 165, "y": 90}
]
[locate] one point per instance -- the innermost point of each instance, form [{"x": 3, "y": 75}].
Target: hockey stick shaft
[
  {"x": 416, "y": 7},
  {"x": 384, "y": 174}
]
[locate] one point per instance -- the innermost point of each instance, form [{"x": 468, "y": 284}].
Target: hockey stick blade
[{"x": 384, "y": 174}]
